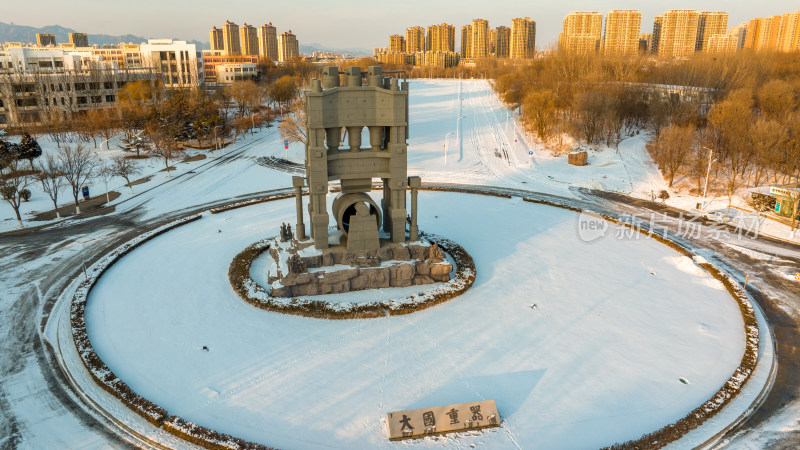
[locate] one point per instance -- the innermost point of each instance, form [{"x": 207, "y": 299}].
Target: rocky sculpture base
[{"x": 301, "y": 270}]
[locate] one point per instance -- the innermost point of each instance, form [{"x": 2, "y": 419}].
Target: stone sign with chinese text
[{"x": 442, "y": 419}]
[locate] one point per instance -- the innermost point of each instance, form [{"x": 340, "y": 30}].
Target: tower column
[
  {"x": 414, "y": 183},
  {"x": 354, "y": 138},
  {"x": 300, "y": 228},
  {"x": 386, "y": 204}
]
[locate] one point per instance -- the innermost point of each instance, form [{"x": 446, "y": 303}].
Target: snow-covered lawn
[
  {"x": 617, "y": 324},
  {"x": 493, "y": 151},
  {"x": 149, "y": 168}
]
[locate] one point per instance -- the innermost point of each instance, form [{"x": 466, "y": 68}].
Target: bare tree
[
  {"x": 293, "y": 128},
  {"x": 164, "y": 146},
  {"x": 671, "y": 149},
  {"x": 540, "y": 112},
  {"x": 284, "y": 90},
  {"x": 125, "y": 168},
  {"x": 52, "y": 178},
  {"x": 247, "y": 95},
  {"x": 766, "y": 137},
  {"x": 78, "y": 164},
  {"x": 108, "y": 126},
  {"x": 591, "y": 108},
  {"x": 88, "y": 125}
]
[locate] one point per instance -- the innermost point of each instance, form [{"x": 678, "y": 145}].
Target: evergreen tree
[{"x": 29, "y": 149}]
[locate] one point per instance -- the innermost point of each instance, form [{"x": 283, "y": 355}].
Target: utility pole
[
  {"x": 459, "y": 133},
  {"x": 446, "y": 140},
  {"x": 708, "y": 172}
]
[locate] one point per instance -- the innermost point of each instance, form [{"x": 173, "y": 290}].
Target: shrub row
[
  {"x": 251, "y": 202},
  {"x": 465, "y": 191},
  {"x": 256, "y": 295}
]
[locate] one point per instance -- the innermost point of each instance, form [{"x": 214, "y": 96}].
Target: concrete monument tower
[
  {"x": 381, "y": 105},
  {"x": 371, "y": 250}
]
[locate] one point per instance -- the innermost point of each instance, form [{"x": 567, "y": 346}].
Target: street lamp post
[
  {"x": 708, "y": 172},
  {"x": 459, "y": 134},
  {"x": 104, "y": 173},
  {"x": 216, "y": 142},
  {"x": 101, "y": 145},
  {"x": 446, "y": 141}
]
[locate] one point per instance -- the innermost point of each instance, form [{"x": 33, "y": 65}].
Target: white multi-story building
[
  {"x": 177, "y": 61},
  {"x": 227, "y": 73},
  {"x": 48, "y": 85}
]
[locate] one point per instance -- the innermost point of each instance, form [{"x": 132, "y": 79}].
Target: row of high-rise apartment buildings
[
  {"x": 676, "y": 33},
  {"x": 235, "y": 51},
  {"x": 780, "y": 33},
  {"x": 263, "y": 41},
  {"x": 478, "y": 40},
  {"x": 439, "y": 38}
]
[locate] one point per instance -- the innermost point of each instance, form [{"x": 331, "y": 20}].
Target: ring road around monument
[{"x": 580, "y": 344}]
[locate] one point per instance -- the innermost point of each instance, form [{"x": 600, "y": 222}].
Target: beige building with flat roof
[
  {"x": 522, "y": 38},
  {"x": 722, "y": 43},
  {"x": 397, "y": 43},
  {"x": 466, "y": 41},
  {"x": 268, "y": 42},
  {"x": 622, "y": 31},
  {"x": 645, "y": 41},
  {"x": 230, "y": 38},
  {"x": 739, "y": 31},
  {"x": 789, "y": 32},
  {"x": 441, "y": 38},
  {"x": 675, "y": 33},
  {"x": 45, "y": 39},
  {"x": 438, "y": 59},
  {"x": 502, "y": 42},
  {"x": 248, "y": 39},
  {"x": 581, "y": 32},
  {"x": 779, "y": 33},
  {"x": 415, "y": 39},
  {"x": 710, "y": 23},
  {"x": 79, "y": 39},
  {"x": 215, "y": 39},
  {"x": 288, "y": 47},
  {"x": 480, "y": 38}
]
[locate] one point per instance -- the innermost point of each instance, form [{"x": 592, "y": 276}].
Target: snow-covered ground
[
  {"x": 599, "y": 360},
  {"x": 490, "y": 149},
  {"x": 150, "y": 168},
  {"x": 493, "y": 151},
  {"x": 42, "y": 421}
]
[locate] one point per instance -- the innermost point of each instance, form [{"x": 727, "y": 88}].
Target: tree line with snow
[
  {"x": 744, "y": 107},
  {"x": 150, "y": 121},
  {"x": 69, "y": 169}
]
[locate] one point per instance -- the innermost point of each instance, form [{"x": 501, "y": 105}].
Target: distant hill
[
  {"x": 10, "y": 32},
  {"x": 306, "y": 49}
]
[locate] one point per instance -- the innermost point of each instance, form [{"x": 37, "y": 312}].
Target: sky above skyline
[{"x": 341, "y": 23}]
